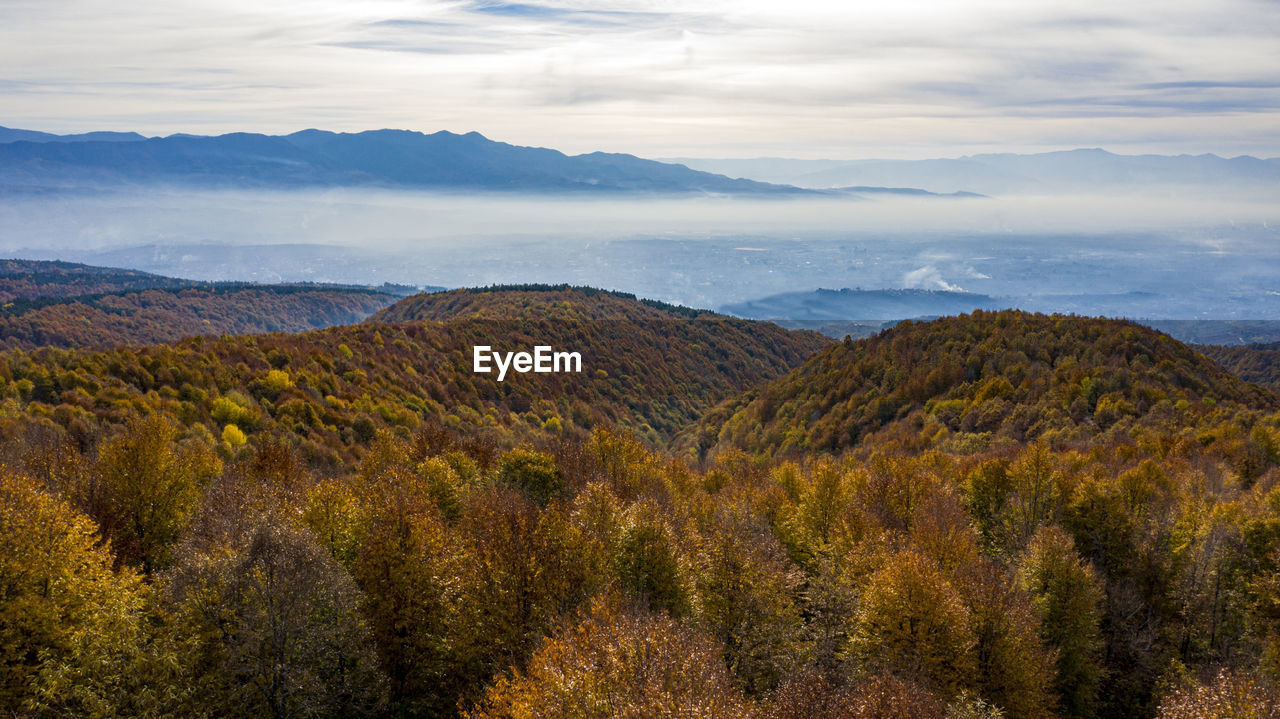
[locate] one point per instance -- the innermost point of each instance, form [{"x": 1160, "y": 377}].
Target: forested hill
[
  {"x": 62, "y": 304},
  {"x": 990, "y": 377},
  {"x": 330, "y": 391}
]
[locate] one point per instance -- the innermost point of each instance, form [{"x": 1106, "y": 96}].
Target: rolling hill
[
  {"x": 979, "y": 378},
  {"x": 536, "y": 302},
  {"x": 166, "y": 315},
  {"x": 39, "y": 279}
]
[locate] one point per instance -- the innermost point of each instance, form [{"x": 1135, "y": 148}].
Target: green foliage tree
[
  {"x": 279, "y": 629},
  {"x": 1067, "y": 596},
  {"x": 409, "y": 569},
  {"x": 649, "y": 564},
  {"x": 534, "y": 472},
  {"x": 748, "y": 594},
  {"x": 1014, "y": 673}
]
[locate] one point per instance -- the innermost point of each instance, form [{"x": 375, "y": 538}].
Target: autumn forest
[{"x": 251, "y": 501}]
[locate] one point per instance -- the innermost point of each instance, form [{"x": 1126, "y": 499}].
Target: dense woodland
[{"x": 995, "y": 515}]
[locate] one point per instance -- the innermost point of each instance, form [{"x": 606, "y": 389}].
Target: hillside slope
[
  {"x": 979, "y": 377},
  {"x": 1258, "y": 363}
]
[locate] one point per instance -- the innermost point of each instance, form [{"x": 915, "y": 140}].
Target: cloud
[
  {"x": 928, "y": 278},
  {"x": 1203, "y": 84},
  {"x": 530, "y": 11},
  {"x": 664, "y": 77}
]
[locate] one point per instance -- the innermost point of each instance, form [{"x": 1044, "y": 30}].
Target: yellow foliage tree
[
  {"x": 64, "y": 613},
  {"x": 914, "y": 624},
  {"x": 618, "y": 663},
  {"x": 154, "y": 483}
]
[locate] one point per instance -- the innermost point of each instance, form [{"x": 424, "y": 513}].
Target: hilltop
[
  {"x": 331, "y": 390},
  {"x": 973, "y": 379},
  {"x": 535, "y": 302}
]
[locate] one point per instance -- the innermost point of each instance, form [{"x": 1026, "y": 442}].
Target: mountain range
[
  {"x": 1079, "y": 170},
  {"x": 314, "y": 158}
]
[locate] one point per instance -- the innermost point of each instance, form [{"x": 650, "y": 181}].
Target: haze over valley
[{"x": 1084, "y": 232}]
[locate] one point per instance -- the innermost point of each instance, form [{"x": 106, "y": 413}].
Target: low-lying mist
[
  {"x": 1206, "y": 255},
  {"x": 391, "y": 219}
]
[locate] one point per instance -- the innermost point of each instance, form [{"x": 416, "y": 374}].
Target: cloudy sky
[{"x": 709, "y": 78}]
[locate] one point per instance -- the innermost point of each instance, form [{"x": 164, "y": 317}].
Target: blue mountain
[
  {"x": 8, "y": 134},
  {"x": 1080, "y": 170},
  {"x": 378, "y": 158}
]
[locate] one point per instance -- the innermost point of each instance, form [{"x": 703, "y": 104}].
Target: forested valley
[{"x": 999, "y": 514}]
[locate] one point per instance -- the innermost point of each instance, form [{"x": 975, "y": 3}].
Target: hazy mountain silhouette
[
  {"x": 1006, "y": 173},
  {"x": 378, "y": 158}
]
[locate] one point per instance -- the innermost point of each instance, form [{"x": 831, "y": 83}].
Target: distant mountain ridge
[
  {"x": 316, "y": 158},
  {"x": 8, "y": 134},
  {"x": 1081, "y": 169}
]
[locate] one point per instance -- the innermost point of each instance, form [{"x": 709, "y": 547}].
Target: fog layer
[{"x": 1196, "y": 257}]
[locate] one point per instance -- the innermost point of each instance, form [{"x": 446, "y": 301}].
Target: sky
[{"x": 664, "y": 78}]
